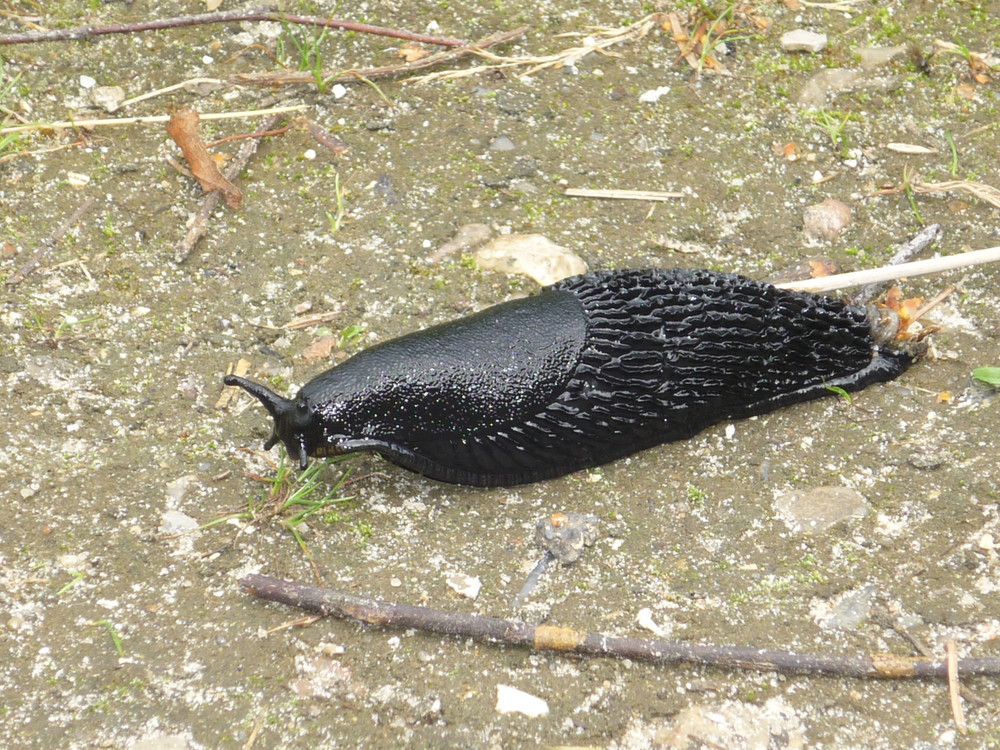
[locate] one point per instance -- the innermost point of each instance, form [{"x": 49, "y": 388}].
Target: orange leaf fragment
[
  {"x": 820, "y": 268},
  {"x": 904, "y": 308},
  {"x": 183, "y": 129},
  {"x": 411, "y": 52},
  {"x": 944, "y": 397},
  {"x": 320, "y": 348}
]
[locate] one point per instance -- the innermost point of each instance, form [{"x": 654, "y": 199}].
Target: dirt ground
[{"x": 123, "y": 625}]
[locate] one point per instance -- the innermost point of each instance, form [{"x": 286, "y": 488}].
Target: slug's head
[{"x": 295, "y": 422}]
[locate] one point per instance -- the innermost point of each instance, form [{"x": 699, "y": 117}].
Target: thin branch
[
  {"x": 49, "y": 244},
  {"x": 290, "y": 78},
  {"x": 550, "y": 638},
  {"x": 890, "y": 273},
  {"x": 151, "y": 119},
  {"x": 266, "y": 13},
  {"x": 199, "y": 224}
]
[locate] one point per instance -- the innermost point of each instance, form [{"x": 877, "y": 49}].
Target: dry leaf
[
  {"x": 944, "y": 397},
  {"x": 965, "y": 91},
  {"x": 211, "y": 5},
  {"x": 819, "y": 268},
  {"x": 183, "y": 128},
  {"x": 411, "y": 52},
  {"x": 320, "y": 348},
  {"x": 904, "y": 308},
  {"x": 789, "y": 151}
]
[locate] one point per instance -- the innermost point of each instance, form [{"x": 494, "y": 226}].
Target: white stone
[
  {"x": 511, "y": 700},
  {"x": 108, "y": 98},
  {"x": 653, "y": 95},
  {"x": 531, "y": 255},
  {"x": 464, "y": 585},
  {"x": 87, "y": 82},
  {"x": 802, "y": 40}
]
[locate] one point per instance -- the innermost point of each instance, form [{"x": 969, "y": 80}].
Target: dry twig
[
  {"x": 151, "y": 119},
  {"x": 199, "y": 223},
  {"x": 265, "y": 13},
  {"x": 550, "y": 638},
  {"x": 291, "y": 78},
  {"x": 954, "y": 686},
  {"x": 36, "y": 259},
  {"x": 599, "y": 40}
]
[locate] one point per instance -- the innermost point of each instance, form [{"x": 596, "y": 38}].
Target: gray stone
[{"x": 820, "y": 508}]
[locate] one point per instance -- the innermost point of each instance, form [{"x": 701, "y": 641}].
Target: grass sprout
[
  {"x": 835, "y": 127},
  {"x": 307, "y": 46},
  {"x": 293, "y": 498},
  {"x": 338, "y": 218},
  {"x": 113, "y": 632}
]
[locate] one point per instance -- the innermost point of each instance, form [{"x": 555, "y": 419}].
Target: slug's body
[{"x": 591, "y": 369}]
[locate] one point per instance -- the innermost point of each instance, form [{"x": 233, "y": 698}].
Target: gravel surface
[{"x": 123, "y": 623}]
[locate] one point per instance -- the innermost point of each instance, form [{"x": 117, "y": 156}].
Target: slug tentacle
[
  {"x": 293, "y": 420},
  {"x": 593, "y": 368}
]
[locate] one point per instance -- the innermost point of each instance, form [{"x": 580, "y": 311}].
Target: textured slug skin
[{"x": 593, "y": 368}]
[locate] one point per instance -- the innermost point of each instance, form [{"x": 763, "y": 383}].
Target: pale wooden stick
[
  {"x": 891, "y": 273},
  {"x": 147, "y": 120},
  {"x": 632, "y": 195},
  {"x": 168, "y": 89},
  {"x": 951, "y": 654}
]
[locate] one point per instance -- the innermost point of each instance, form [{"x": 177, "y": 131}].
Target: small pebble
[
  {"x": 851, "y": 610},
  {"x": 501, "y": 143},
  {"x": 826, "y": 220},
  {"x": 802, "y": 40},
  {"x": 87, "y": 82},
  {"x": 339, "y": 91},
  {"x": 927, "y": 457},
  {"x": 875, "y": 57},
  {"x": 108, "y": 98},
  {"x": 77, "y": 180},
  {"x": 511, "y": 700},
  {"x": 464, "y": 585},
  {"x": 823, "y": 83}
]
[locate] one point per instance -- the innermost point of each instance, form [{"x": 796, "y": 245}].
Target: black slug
[{"x": 591, "y": 369}]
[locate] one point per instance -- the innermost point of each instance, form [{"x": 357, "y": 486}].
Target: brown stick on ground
[
  {"x": 265, "y": 13},
  {"x": 549, "y": 638},
  {"x": 289, "y": 78},
  {"x": 199, "y": 224},
  {"x": 36, "y": 259}
]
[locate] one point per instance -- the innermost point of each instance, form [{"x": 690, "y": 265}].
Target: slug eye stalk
[{"x": 291, "y": 418}]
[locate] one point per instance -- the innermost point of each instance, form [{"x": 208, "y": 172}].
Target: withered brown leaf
[{"x": 183, "y": 128}]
